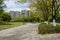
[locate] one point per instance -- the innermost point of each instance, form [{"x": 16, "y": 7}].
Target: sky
[{"x": 12, "y": 5}]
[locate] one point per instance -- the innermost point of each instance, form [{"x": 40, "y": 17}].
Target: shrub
[
  {"x": 19, "y": 19},
  {"x": 6, "y": 16},
  {"x": 48, "y": 28},
  {"x": 58, "y": 19},
  {"x": 27, "y": 19},
  {"x": 0, "y": 19},
  {"x": 57, "y": 29},
  {"x": 44, "y": 28}
]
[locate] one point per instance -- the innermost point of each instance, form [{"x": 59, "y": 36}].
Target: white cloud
[
  {"x": 16, "y": 9},
  {"x": 11, "y": 5}
]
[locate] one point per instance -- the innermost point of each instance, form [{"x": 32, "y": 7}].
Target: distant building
[
  {"x": 16, "y": 14},
  {"x": 25, "y": 12}
]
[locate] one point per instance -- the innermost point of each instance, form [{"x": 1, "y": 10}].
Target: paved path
[{"x": 27, "y": 32}]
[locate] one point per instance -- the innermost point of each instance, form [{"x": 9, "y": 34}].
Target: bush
[
  {"x": 34, "y": 17},
  {"x": 0, "y": 19},
  {"x": 57, "y": 29},
  {"x": 19, "y": 19},
  {"x": 47, "y": 29},
  {"x": 27, "y": 19},
  {"x": 58, "y": 19},
  {"x": 6, "y": 16}
]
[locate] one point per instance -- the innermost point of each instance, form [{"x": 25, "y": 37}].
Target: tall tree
[
  {"x": 2, "y": 5},
  {"x": 42, "y": 7},
  {"x": 55, "y": 7},
  {"x": 46, "y": 8}
]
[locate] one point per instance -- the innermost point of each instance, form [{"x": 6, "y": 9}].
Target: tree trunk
[{"x": 54, "y": 22}]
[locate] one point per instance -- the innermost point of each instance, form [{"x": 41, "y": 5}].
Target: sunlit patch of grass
[{"x": 6, "y": 25}]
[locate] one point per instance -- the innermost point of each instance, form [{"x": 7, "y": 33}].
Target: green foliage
[
  {"x": 2, "y": 5},
  {"x": 27, "y": 19},
  {"x": 58, "y": 18},
  {"x": 0, "y": 19},
  {"x": 6, "y": 16},
  {"x": 7, "y": 25},
  {"x": 30, "y": 18},
  {"x": 57, "y": 29},
  {"x": 34, "y": 17},
  {"x": 43, "y": 7},
  {"x": 44, "y": 29},
  {"x": 19, "y": 19},
  {"x": 24, "y": 1},
  {"x": 23, "y": 19},
  {"x": 47, "y": 29}
]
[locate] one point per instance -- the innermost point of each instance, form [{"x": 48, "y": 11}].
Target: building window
[{"x": 23, "y": 13}]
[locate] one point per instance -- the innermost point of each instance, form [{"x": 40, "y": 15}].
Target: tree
[
  {"x": 46, "y": 8},
  {"x": 24, "y": 1},
  {"x": 2, "y": 5},
  {"x": 6, "y": 17},
  {"x": 43, "y": 7},
  {"x": 55, "y": 7},
  {"x": 40, "y": 6}
]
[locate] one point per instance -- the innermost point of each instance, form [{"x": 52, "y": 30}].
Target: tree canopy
[
  {"x": 2, "y": 5},
  {"x": 43, "y": 7}
]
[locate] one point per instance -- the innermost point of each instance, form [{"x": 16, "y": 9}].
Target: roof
[{"x": 14, "y": 9}]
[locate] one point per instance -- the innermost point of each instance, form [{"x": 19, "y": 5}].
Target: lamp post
[{"x": 55, "y": 6}]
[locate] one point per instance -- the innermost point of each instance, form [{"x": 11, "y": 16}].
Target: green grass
[{"x": 6, "y": 25}]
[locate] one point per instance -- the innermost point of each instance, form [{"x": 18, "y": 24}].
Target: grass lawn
[{"x": 6, "y": 25}]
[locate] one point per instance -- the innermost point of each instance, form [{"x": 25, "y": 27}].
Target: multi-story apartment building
[
  {"x": 16, "y": 14},
  {"x": 25, "y": 12}
]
